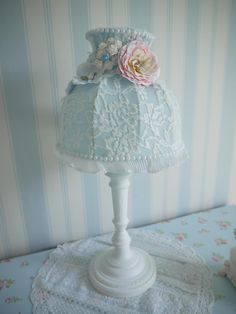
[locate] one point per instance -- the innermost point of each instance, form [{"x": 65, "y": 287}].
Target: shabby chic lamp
[{"x": 119, "y": 118}]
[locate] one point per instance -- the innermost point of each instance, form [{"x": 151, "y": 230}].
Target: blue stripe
[
  {"x": 109, "y": 13},
  {"x": 19, "y": 99},
  {"x": 140, "y": 13},
  {"x": 79, "y": 14},
  {"x": 56, "y": 105},
  {"x": 92, "y": 204},
  {"x": 189, "y": 100},
  {"x": 4, "y": 238},
  {"x": 141, "y": 206},
  {"x": 228, "y": 118}
]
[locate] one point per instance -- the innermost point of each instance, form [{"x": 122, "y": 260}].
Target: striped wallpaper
[{"x": 42, "y": 202}]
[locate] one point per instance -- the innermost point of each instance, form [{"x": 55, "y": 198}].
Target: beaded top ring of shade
[{"x": 119, "y": 117}]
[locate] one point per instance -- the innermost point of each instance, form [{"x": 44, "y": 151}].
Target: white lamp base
[
  {"x": 121, "y": 271},
  {"x": 132, "y": 277}
]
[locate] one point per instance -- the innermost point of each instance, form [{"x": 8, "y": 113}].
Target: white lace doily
[{"x": 183, "y": 282}]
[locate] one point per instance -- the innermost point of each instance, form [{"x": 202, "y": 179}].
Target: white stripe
[
  {"x": 97, "y": 13},
  {"x": 119, "y": 13},
  {"x": 65, "y": 70},
  {"x": 72, "y": 49},
  {"x": 13, "y": 211},
  {"x": 176, "y": 84},
  {"x": 203, "y": 84},
  {"x": 216, "y": 103},
  {"x": 158, "y": 28},
  {"x": 45, "y": 116}
]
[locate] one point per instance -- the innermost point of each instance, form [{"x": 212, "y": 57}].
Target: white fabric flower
[
  {"x": 100, "y": 52},
  {"x": 102, "y": 45},
  {"x": 99, "y": 61},
  {"x": 108, "y": 65},
  {"x": 110, "y": 40},
  {"x": 89, "y": 72},
  {"x": 118, "y": 44},
  {"x": 112, "y": 49}
]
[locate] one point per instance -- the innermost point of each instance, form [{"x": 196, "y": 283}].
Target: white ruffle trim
[{"x": 129, "y": 166}]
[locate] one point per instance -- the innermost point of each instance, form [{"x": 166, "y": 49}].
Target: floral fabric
[{"x": 210, "y": 233}]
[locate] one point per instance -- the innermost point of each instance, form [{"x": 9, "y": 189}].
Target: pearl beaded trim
[
  {"x": 127, "y": 33},
  {"x": 117, "y": 158}
]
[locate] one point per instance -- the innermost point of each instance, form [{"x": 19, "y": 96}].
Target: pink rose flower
[{"x": 137, "y": 63}]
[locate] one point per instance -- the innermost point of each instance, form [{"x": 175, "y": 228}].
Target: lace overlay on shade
[
  {"x": 183, "y": 284},
  {"x": 119, "y": 126}
]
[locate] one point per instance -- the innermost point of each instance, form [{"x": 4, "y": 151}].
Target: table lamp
[{"x": 119, "y": 118}]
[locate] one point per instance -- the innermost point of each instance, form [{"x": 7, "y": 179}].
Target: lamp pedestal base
[
  {"x": 121, "y": 271},
  {"x": 127, "y": 279}
]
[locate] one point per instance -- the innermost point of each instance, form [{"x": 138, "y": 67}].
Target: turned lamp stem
[
  {"x": 119, "y": 184},
  {"x": 121, "y": 270}
]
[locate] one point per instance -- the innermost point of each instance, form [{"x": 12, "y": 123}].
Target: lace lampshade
[
  {"x": 119, "y": 118},
  {"x": 112, "y": 123}
]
